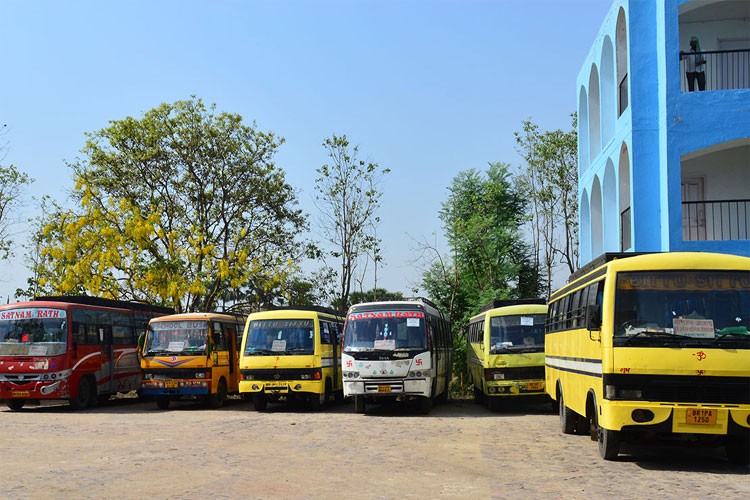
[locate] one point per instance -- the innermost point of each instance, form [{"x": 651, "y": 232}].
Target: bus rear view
[{"x": 396, "y": 351}]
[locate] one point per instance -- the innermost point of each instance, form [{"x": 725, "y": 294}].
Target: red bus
[{"x": 78, "y": 348}]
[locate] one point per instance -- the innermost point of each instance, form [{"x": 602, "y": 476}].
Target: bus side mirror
[{"x": 593, "y": 317}]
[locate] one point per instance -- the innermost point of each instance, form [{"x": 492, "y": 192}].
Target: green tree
[
  {"x": 374, "y": 294},
  {"x": 482, "y": 218},
  {"x": 348, "y": 196},
  {"x": 12, "y": 185},
  {"x": 178, "y": 207},
  {"x": 550, "y": 180}
]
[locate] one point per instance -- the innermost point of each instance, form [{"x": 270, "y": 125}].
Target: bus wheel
[
  {"x": 86, "y": 394},
  {"x": 609, "y": 443},
  {"x": 738, "y": 450},
  {"x": 15, "y": 404},
  {"x": 568, "y": 417},
  {"x": 424, "y": 404},
  {"x": 359, "y": 404},
  {"x": 162, "y": 402},
  {"x": 478, "y": 395},
  {"x": 216, "y": 401},
  {"x": 260, "y": 402}
]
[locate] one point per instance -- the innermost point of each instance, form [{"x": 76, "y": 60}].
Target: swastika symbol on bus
[
  {"x": 348, "y": 363},
  {"x": 419, "y": 362}
]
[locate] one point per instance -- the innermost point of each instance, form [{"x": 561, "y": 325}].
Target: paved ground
[{"x": 130, "y": 449}]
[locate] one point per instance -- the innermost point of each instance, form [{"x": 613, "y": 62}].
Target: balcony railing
[
  {"x": 716, "y": 220},
  {"x": 723, "y": 70}
]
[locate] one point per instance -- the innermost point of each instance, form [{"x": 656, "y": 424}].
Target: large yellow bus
[
  {"x": 505, "y": 351},
  {"x": 653, "y": 346},
  {"x": 192, "y": 356},
  {"x": 292, "y": 354}
]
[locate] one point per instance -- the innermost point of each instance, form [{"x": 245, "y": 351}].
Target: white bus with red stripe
[{"x": 396, "y": 350}]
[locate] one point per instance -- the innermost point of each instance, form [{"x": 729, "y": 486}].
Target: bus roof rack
[
  {"x": 511, "y": 302},
  {"x": 422, "y": 299},
  {"x": 102, "y": 302},
  {"x": 603, "y": 259}
]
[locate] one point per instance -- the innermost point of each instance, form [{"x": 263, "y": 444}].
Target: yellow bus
[
  {"x": 191, "y": 356},
  {"x": 292, "y": 354},
  {"x": 653, "y": 346},
  {"x": 505, "y": 351}
]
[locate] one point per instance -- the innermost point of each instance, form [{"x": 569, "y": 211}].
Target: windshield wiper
[
  {"x": 656, "y": 334},
  {"x": 259, "y": 352}
]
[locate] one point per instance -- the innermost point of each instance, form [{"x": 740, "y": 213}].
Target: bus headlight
[
  {"x": 614, "y": 392},
  {"x": 200, "y": 374},
  {"x": 350, "y": 374}
]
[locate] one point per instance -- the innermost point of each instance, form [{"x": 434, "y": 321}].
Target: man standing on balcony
[{"x": 695, "y": 65}]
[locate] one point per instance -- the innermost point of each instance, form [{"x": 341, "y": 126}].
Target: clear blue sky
[{"x": 426, "y": 88}]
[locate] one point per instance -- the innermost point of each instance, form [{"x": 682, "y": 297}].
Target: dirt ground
[{"x": 129, "y": 449}]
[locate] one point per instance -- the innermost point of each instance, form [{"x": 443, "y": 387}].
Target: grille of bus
[
  {"x": 280, "y": 374},
  {"x": 521, "y": 373},
  {"x": 685, "y": 389}
]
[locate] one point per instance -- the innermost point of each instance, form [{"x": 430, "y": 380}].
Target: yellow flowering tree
[{"x": 183, "y": 206}]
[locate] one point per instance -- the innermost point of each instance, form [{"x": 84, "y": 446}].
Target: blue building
[{"x": 660, "y": 167}]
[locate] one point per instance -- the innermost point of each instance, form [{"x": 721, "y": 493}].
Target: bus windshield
[
  {"x": 385, "y": 330},
  {"x": 177, "y": 337},
  {"x": 651, "y": 306},
  {"x": 518, "y": 332},
  {"x": 280, "y": 336},
  {"x": 33, "y": 332}
]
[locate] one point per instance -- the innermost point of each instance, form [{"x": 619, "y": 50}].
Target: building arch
[
  {"x": 583, "y": 131},
  {"x": 610, "y": 209},
  {"x": 623, "y": 185},
  {"x": 608, "y": 88},
  {"x": 584, "y": 246},
  {"x": 621, "y": 43},
  {"x": 595, "y": 138},
  {"x": 597, "y": 236}
]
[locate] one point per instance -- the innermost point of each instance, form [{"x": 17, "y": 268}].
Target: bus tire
[
  {"x": 216, "y": 400},
  {"x": 162, "y": 402},
  {"x": 568, "y": 418},
  {"x": 478, "y": 395},
  {"x": 86, "y": 394},
  {"x": 359, "y": 404},
  {"x": 260, "y": 402},
  {"x": 424, "y": 404},
  {"x": 738, "y": 450},
  {"x": 15, "y": 404},
  {"x": 609, "y": 443}
]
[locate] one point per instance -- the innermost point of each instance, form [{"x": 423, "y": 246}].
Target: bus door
[
  {"x": 221, "y": 353},
  {"x": 105, "y": 382}
]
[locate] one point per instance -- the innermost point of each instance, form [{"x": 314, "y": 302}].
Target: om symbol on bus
[{"x": 700, "y": 355}]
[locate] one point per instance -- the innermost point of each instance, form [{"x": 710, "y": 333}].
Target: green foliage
[
  {"x": 373, "y": 295},
  {"x": 348, "y": 198},
  {"x": 550, "y": 182},
  {"x": 482, "y": 217},
  {"x": 181, "y": 207},
  {"x": 12, "y": 184}
]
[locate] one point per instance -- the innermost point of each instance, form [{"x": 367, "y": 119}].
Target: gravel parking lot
[{"x": 129, "y": 449}]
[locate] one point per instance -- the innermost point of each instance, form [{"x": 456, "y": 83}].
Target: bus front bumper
[
  {"x": 282, "y": 386},
  {"x": 634, "y": 416},
  {"x": 388, "y": 387}
]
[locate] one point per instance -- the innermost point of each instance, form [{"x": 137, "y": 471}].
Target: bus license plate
[
  {"x": 20, "y": 394},
  {"x": 276, "y": 385},
  {"x": 701, "y": 416},
  {"x": 384, "y": 388},
  {"x": 170, "y": 384},
  {"x": 534, "y": 386}
]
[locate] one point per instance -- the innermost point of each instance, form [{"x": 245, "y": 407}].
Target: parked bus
[
  {"x": 192, "y": 356},
  {"x": 505, "y": 352},
  {"x": 78, "y": 348},
  {"x": 292, "y": 354},
  {"x": 397, "y": 350},
  {"x": 653, "y": 345}
]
